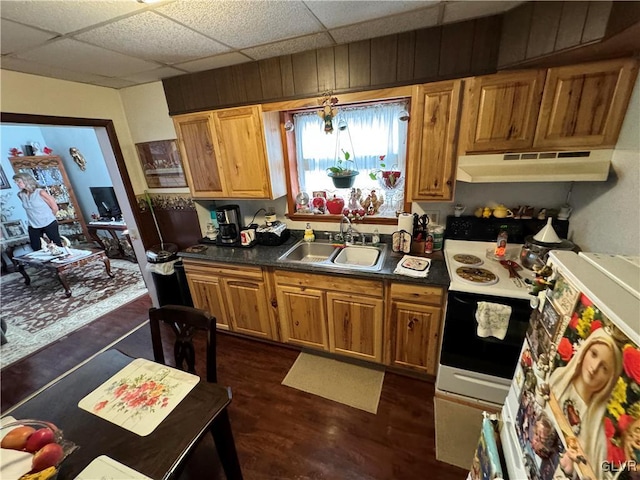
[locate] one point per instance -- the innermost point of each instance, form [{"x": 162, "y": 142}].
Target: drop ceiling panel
[
  {"x": 241, "y": 24},
  {"x": 14, "y": 37},
  {"x": 153, "y": 37},
  {"x": 68, "y": 15},
  {"x": 387, "y": 26},
  {"x": 49, "y": 71},
  {"x": 218, "y": 61},
  {"x": 154, "y": 75},
  {"x": 82, "y": 57},
  {"x": 286, "y": 47},
  {"x": 457, "y": 11},
  {"x": 338, "y": 14}
]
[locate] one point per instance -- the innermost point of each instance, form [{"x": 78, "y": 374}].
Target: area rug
[
  {"x": 343, "y": 382},
  {"x": 38, "y": 314}
]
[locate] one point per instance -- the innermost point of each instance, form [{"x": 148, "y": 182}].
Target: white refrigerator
[{"x": 573, "y": 408}]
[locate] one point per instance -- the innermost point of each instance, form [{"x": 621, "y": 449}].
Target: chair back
[{"x": 184, "y": 323}]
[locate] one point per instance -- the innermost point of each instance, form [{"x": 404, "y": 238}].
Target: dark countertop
[{"x": 266, "y": 256}]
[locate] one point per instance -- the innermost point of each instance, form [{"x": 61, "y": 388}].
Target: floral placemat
[{"x": 140, "y": 396}]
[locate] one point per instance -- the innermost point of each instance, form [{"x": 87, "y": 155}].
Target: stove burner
[
  {"x": 466, "y": 259},
  {"x": 477, "y": 276}
]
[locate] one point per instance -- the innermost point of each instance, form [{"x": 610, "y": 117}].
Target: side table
[{"x": 117, "y": 246}]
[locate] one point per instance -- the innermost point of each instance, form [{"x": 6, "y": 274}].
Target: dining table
[{"x": 158, "y": 455}]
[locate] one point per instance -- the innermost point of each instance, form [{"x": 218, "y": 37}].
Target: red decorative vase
[{"x": 335, "y": 205}]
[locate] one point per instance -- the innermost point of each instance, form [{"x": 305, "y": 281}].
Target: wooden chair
[{"x": 185, "y": 322}]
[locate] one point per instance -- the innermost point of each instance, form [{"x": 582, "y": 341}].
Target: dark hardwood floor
[{"x": 280, "y": 432}]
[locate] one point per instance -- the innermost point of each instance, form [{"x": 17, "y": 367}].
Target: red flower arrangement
[
  {"x": 565, "y": 349},
  {"x": 631, "y": 362},
  {"x": 15, "y": 152}
]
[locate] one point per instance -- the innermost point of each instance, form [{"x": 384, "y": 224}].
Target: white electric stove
[{"x": 462, "y": 254}]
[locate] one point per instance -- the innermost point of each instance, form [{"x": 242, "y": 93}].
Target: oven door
[{"x": 470, "y": 364}]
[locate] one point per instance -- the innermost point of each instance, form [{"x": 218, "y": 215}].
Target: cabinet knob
[
  {"x": 297, "y": 323},
  {"x": 411, "y": 322},
  {"x": 274, "y": 303}
]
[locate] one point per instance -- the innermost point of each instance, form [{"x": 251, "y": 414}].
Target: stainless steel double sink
[{"x": 352, "y": 257}]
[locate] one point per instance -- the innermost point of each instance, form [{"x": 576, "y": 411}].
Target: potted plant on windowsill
[
  {"x": 342, "y": 173},
  {"x": 389, "y": 179}
]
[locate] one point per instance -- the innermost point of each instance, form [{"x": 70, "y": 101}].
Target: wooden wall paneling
[
  {"x": 515, "y": 34},
  {"x": 406, "y": 56},
  {"x": 623, "y": 15},
  {"x": 191, "y": 91},
  {"x": 572, "y": 19},
  {"x": 455, "y": 49},
  {"x": 341, "y": 55},
  {"x": 486, "y": 37},
  {"x": 326, "y": 69},
  {"x": 384, "y": 60},
  {"x": 305, "y": 72},
  {"x": 173, "y": 94},
  {"x": 230, "y": 86},
  {"x": 544, "y": 28},
  {"x": 286, "y": 69},
  {"x": 360, "y": 64},
  {"x": 208, "y": 84},
  {"x": 270, "y": 77},
  {"x": 427, "y": 54},
  {"x": 250, "y": 73},
  {"x": 597, "y": 20}
]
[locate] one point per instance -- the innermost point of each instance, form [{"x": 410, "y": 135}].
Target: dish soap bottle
[
  {"x": 375, "y": 239},
  {"x": 309, "y": 236}
]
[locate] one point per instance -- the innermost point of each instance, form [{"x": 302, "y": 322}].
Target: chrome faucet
[{"x": 343, "y": 236}]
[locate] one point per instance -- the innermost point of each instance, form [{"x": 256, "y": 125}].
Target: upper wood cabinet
[
  {"x": 232, "y": 153},
  {"x": 500, "y": 111},
  {"x": 571, "y": 107},
  {"x": 432, "y": 162},
  {"x": 584, "y": 105}
]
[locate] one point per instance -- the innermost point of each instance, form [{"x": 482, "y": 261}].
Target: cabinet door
[
  {"x": 201, "y": 167},
  {"x": 206, "y": 292},
  {"x": 500, "y": 111},
  {"x": 303, "y": 317},
  {"x": 355, "y": 325},
  {"x": 417, "y": 333},
  {"x": 248, "y": 307},
  {"x": 240, "y": 137},
  {"x": 584, "y": 105},
  {"x": 433, "y": 142}
]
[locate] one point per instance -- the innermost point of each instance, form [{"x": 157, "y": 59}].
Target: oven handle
[
  {"x": 479, "y": 381},
  {"x": 460, "y": 300}
]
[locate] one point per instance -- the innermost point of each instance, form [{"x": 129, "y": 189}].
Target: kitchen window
[{"x": 367, "y": 132}]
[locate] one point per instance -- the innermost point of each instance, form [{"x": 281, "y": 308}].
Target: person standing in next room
[{"x": 41, "y": 210}]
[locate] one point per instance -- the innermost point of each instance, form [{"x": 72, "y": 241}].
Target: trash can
[{"x": 161, "y": 260}]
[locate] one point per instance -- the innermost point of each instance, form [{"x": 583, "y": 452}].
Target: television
[{"x": 106, "y": 201}]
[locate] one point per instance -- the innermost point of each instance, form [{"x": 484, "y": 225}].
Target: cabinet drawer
[
  {"x": 370, "y": 288},
  {"x": 417, "y": 293},
  {"x": 204, "y": 267}
]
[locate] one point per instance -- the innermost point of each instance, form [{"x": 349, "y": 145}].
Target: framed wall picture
[
  {"x": 13, "y": 229},
  {"x": 161, "y": 164},
  {"x": 4, "y": 183}
]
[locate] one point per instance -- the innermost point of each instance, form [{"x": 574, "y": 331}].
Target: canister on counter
[{"x": 437, "y": 231}]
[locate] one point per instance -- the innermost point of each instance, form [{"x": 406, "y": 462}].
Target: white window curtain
[{"x": 372, "y": 131}]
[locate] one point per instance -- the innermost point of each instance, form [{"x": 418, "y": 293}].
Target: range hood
[{"x": 578, "y": 166}]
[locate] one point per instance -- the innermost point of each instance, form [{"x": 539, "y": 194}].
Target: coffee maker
[{"x": 229, "y": 223}]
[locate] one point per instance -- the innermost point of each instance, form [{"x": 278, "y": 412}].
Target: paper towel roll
[{"x": 405, "y": 222}]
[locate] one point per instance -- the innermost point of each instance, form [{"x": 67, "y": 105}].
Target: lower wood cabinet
[
  {"x": 303, "y": 316},
  {"x": 414, "y": 322},
  {"x": 324, "y": 311},
  {"x": 238, "y": 296},
  {"x": 397, "y": 324}
]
